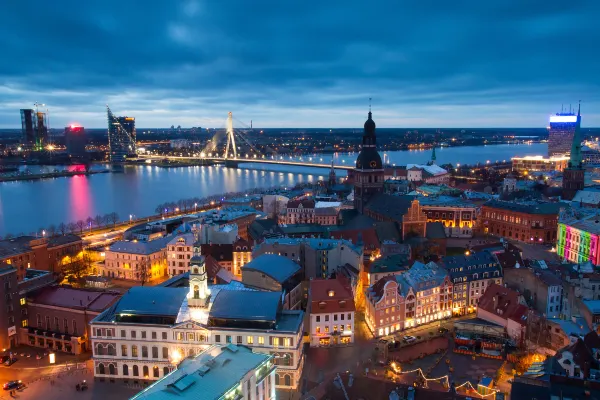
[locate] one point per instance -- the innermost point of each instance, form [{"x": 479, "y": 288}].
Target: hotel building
[{"x": 151, "y": 329}]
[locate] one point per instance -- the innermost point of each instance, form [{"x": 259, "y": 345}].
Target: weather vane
[{"x": 369, "y": 104}]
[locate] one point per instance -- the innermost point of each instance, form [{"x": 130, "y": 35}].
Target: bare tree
[
  {"x": 114, "y": 218},
  {"x": 80, "y": 224},
  {"x": 51, "y": 230},
  {"x": 98, "y": 220},
  {"x": 62, "y": 228},
  {"x": 144, "y": 271},
  {"x": 72, "y": 226},
  {"x": 89, "y": 222},
  {"x": 9, "y": 236}
]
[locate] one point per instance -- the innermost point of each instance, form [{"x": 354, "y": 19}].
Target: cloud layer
[{"x": 428, "y": 63}]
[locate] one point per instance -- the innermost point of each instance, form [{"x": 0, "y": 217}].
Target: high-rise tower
[
  {"x": 562, "y": 130},
  {"x": 573, "y": 175},
  {"x": 368, "y": 174},
  {"x": 34, "y": 128},
  {"x": 121, "y": 137}
]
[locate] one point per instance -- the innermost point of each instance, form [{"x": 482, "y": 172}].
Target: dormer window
[
  {"x": 331, "y": 293},
  {"x": 322, "y": 305}
]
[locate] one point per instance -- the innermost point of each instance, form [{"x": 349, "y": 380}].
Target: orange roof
[
  {"x": 503, "y": 302},
  {"x": 330, "y": 295}
]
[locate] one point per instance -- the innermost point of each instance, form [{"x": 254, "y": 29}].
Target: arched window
[
  {"x": 145, "y": 372},
  {"x": 136, "y": 371},
  {"x": 276, "y": 379},
  {"x": 101, "y": 369},
  {"x": 125, "y": 370},
  {"x": 111, "y": 369},
  {"x": 99, "y": 350},
  {"x": 154, "y": 352},
  {"x": 190, "y": 352},
  {"x": 112, "y": 351},
  {"x": 195, "y": 270},
  {"x": 287, "y": 380},
  {"x": 134, "y": 351},
  {"x": 196, "y": 292},
  {"x": 166, "y": 371},
  {"x": 165, "y": 352},
  {"x": 155, "y": 371}
]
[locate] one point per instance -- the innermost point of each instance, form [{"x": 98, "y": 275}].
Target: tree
[
  {"x": 114, "y": 218},
  {"x": 62, "y": 228},
  {"x": 76, "y": 266},
  {"x": 98, "y": 220},
  {"x": 72, "y": 227},
  {"x": 51, "y": 230},
  {"x": 80, "y": 224},
  {"x": 144, "y": 272}
]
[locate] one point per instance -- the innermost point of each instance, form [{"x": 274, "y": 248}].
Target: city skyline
[{"x": 424, "y": 65}]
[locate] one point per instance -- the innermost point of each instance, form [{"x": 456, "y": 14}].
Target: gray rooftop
[
  {"x": 277, "y": 267},
  {"x": 246, "y": 305},
  {"x": 536, "y": 208},
  {"x": 210, "y": 375},
  {"x": 394, "y": 207},
  {"x": 140, "y": 247},
  {"x": 148, "y": 301}
]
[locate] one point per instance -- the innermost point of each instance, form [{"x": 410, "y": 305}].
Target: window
[
  {"x": 134, "y": 352},
  {"x": 318, "y": 318},
  {"x": 217, "y": 338},
  {"x": 124, "y": 350},
  {"x": 123, "y": 333},
  {"x": 74, "y": 327},
  {"x": 136, "y": 371},
  {"x": 144, "y": 351},
  {"x": 335, "y": 316},
  {"x": 154, "y": 352},
  {"x": 239, "y": 340},
  {"x": 143, "y": 334},
  {"x": 125, "y": 369},
  {"x": 133, "y": 334},
  {"x": 348, "y": 328},
  {"x": 275, "y": 341},
  {"x": 342, "y": 317},
  {"x": 165, "y": 352},
  {"x": 153, "y": 335},
  {"x": 327, "y": 318},
  {"x": 164, "y": 335},
  {"x": 287, "y": 342},
  {"x": 250, "y": 339},
  {"x": 261, "y": 340},
  {"x": 350, "y": 316},
  {"x": 228, "y": 338},
  {"x": 22, "y": 301},
  {"x": 155, "y": 371},
  {"x": 24, "y": 323},
  {"x": 145, "y": 371},
  {"x": 318, "y": 330}
]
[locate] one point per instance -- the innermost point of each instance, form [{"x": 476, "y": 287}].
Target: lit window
[
  {"x": 250, "y": 339},
  {"x": 287, "y": 342},
  {"x": 261, "y": 340},
  {"x": 22, "y": 301},
  {"x": 275, "y": 341}
]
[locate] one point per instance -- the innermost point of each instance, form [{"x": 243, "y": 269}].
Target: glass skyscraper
[
  {"x": 34, "y": 128},
  {"x": 121, "y": 137},
  {"x": 562, "y": 129}
]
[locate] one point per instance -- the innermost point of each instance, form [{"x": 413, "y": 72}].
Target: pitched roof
[
  {"x": 537, "y": 208},
  {"x": 306, "y": 203},
  {"x": 68, "y": 297},
  {"x": 220, "y": 252},
  {"x": 503, "y": 302},
  {"x": 278, "y": 267},
  {"x": 435, "y": 230},
  {"x": 147, "y": 301},
  {"x": 390, "y": 264},
  {"x": 393, "y": 207},
  {"x": 330, "y": 295},
  {"x": 140, "y": 247}
]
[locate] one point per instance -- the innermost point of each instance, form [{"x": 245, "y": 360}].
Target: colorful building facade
[{"x": 578, "y": 242}]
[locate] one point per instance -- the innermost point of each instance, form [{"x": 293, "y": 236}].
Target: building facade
[
  {"x": 136, "y": 261},
  {"x": 152, "y": 328},
  {"x": 560, "y": 135},
  {"x": 578, "y": 240},
  {"x": 75, "y": 141},
  {"x": 299, "y": 212},
  {"x": 242, "y": 255},
  {"x": 533, "y": 164},
  {"x": 531, "y": 223},
  {"x": 331, "y": 312},
  {"x": 459, "y": 217},
  {"x": 34, "y": 128},
  {"x": 179, "y": 253},
  {"x": 574, "y": 174}
]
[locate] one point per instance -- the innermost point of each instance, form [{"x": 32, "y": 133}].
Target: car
[
  {"x": 463, "y": 348},
  {"x": 409, "y": 339},
  {"x": 11, "y": 361},
  {"x": 10, "y": 385},
  {"x": 443, "y": 330},
  {"x": 4, "y": 359}
]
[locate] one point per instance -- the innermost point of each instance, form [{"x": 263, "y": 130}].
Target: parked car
[
  {"x": 10, "y": 361},
  {"x": 463, "y": 348},
  {"x": 409, "y": 339},
  {"x": 10, "y": 385}
]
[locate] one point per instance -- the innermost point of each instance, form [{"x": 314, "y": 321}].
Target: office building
[
  {"x": 75, "y": 140},
  {"x": 574, "y": 174},
  {"x": 560, "y": 135},
  {"x": 34, "y": 128},
  {"x": 219, "y": 372},
  {"x": 147, "y": 333},
  {"x": 121, "y": 137}
]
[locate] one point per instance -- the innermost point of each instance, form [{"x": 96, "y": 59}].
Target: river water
[{"x": 29, "y": 206}]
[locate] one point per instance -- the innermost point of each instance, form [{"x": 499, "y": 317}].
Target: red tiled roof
[
  {"x": 378, "y": 286},
  {"x": 369, "y": 237},
  {"x": 221, "y": 252},
  {"x": 68, "y": 297},
  {"x": 212, "y": 267},
  {"x": 306, "y": 203},
  {"x": 322, "y": 302},
  {"x": 503, "y": 302},
  {"x": 242, "y": 245}
]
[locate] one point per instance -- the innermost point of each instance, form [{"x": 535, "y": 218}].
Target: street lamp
[
  {"x": 130, "y": 218},
  {"x": 195, "y": 205},
  {"x": 43, "y": 233}
]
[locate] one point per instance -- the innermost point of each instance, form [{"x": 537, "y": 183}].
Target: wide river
[{"x": 30, "y": 206}]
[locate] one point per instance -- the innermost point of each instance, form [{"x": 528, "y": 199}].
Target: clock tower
[
  {"x": 199, "y": 293},
  {"x": 368, "y": 174}
]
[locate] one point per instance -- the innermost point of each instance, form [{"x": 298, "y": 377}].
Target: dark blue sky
[{"x": 426, "y": 63}]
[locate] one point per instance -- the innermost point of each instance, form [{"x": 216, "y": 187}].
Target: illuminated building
[
  {"x": 219, "y": 372},
  {"x": 531, "y": 223},
  {"x": 242, "y": 255},
  {"x": 419, "y": 296},
  {"x": 331, "y": 312},
  {"x": 471, "y": 274},
  {"x": 560, "y": 135},
  {"x": 578, "y": 240},
  {"x": 457, "y": 216},
  {"x": 34, "y": 128},
  {"x": 368, "y": 174},
  {"x": 121, "y": 137},
  {"x": 505, "y": 307},
  {"x": 531, "y": 164},
  {"x": 574, "y": 174},
  {"x": 75, "y": 140},
  {"x": 136, "y": 260},
  {"x": 179, "y": 254},
  {"x": 151, "y": 329}
]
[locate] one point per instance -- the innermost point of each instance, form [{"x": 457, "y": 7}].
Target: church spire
[{"x": 575, "y": 160}]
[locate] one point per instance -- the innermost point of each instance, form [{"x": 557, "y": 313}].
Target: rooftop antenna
[
  {"x": 369, "y": 104},
  {"x": 562, "y": 108}
]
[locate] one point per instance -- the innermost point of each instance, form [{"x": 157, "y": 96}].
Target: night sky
[{"x": 288, "y": 63}]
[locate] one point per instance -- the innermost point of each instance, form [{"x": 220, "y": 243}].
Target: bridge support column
[{"x": 231, "y": 163}]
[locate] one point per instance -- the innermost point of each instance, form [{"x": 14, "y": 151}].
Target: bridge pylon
[{"x": 230, "y": 138}]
